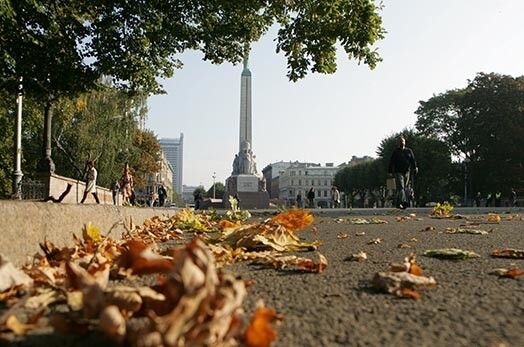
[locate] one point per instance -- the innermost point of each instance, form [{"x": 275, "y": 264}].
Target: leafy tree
[
  {"x": 145, "y": 156},
  {"x": 483, "y": 125},
  {"x": 220, "y": 190},
  {"x": 363, "y": 180},
  {"x": 199, "y": 190},
  {"x": 102, "y": 126},
  {"x": 64, "y": 47}
]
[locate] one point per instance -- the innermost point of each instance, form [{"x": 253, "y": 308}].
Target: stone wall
[
  {"x": 26, "y": 223},
  {"x": 58, "y": 184}
]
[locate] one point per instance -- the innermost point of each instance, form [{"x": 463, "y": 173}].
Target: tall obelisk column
[
  {"x": 245, "y": 107},
  {"x": 244, "y": 183}
]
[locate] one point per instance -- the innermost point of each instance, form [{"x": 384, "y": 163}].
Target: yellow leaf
[
  {"x": 494, "y": 218},
  {"x": 91, "y": 233}
]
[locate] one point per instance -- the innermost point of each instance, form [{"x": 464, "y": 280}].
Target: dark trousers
[
  {"x": 401, "y": 183},
  {"x": 85, "y": 196}
]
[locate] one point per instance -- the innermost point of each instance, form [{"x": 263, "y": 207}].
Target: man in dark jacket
[{"x": 401, "y": 165}]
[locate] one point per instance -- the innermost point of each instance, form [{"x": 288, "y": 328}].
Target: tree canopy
[
  {"x": 63, "y": 47},
  {"x": 483, "y": 124}
]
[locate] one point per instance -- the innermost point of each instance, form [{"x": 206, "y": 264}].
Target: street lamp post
[
  {"x": 17, "y": 173},
  {"x": 214, "y": 176}
]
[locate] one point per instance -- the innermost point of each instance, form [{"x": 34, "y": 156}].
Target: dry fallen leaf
[
  {"x": 509, "y": 253},
  {"x": 494, "y": 218},
  {"x": 342, "y": 236},
  {"x": 294, "y": 219},
  {"x": 12, "y": 323},
  {"x": 113, "y": 323},
  {"x": 360, "y": 256},
  {"x": 375, "y": 241},
  {"x": 141, "y": 259},
  {"x": 260, "y": 333},
  {"x": 510, "y": 273},
  {"x": 11, "y": 277}
]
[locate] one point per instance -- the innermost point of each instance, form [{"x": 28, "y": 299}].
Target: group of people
[
  {"x": 496, "y": 199},
  {"x": 123, "y": 185},
  {"x": 335, "y": 198}
]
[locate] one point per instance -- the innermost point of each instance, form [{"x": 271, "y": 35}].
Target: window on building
[
  {"x": 299, "y": 182},
  {"x": 305, "y": 173},
  {"x": 292, "y": 173},
  {"x": 325, "y": 193},
  {"x": 326, "y": 182},
  {"x": 292, "y": 182}
]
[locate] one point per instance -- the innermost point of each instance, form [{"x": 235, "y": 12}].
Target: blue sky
[{"x": 431, "y": 47}]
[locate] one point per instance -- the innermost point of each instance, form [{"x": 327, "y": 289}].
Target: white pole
[
  {"x": 214, "y": 176},
  {"x": 17, "y": 174}
]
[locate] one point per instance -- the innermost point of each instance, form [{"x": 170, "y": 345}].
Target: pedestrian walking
[
  {"x": 478, "y": 199},
  {"x": 335, "y": 197},
  {"x": 402, "y": 166},
  {"x": 311, "y": 197},
  {"x": 498, "y": 199},
  {"x": 126, "y": 184},
  {"x": 115, "y": 189},
  {"x": 91, "y": 176},
  {"x": 513, "y": 198},
  {"x": 299, "y": 200},
  {"x": 488, "y": 200},
  {"x": 161, "y": 195}
]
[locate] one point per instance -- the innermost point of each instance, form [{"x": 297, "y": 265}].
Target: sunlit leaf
[
  {"x": 294, "y": 219},
  {"x": 91, "y": 233},
  {"x": 375, "y": 241},
  {"x": 494, "y": 218},
  {"x": 260, "y": 333},
  {"x": 11, "y": 277},
  {"x": 450, "y": 253},
  {"x": 113, "y": 323},
  {"x": 509, "y": 253},
  {"x": 141, "y": 259}
]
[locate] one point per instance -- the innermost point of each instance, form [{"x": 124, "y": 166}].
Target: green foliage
[
  {"x": 483, "y": 125},
  {"x": 103, "y": 125},
  {"x": 236, "y": 214},
  {"x": 31, "y": 139},
  {"x": 66, "y": 46},
  {"x": 363, "y": 179},
  {"x": 220, "y": 190}
]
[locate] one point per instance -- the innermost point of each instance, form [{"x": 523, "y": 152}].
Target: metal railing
[{"x": 34, "y": 190}]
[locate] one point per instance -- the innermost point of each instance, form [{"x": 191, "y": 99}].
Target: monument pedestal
[{"x": 249, "y": 189}]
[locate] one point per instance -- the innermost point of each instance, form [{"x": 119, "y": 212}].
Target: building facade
[
  {"x": 174, "y": 150},
  {"x": 164, "y": 177},
  {"x": 271, "y": 174},
  {"x": 301, "y": 177}
]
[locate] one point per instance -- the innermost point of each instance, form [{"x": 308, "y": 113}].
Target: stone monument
[{"x": 244, "y": 182}]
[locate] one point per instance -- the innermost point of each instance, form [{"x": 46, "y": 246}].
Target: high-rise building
[{"x": 174, "y": 150}]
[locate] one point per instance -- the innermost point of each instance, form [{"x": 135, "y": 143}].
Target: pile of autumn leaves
[{"x": 193, "y": 300}]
